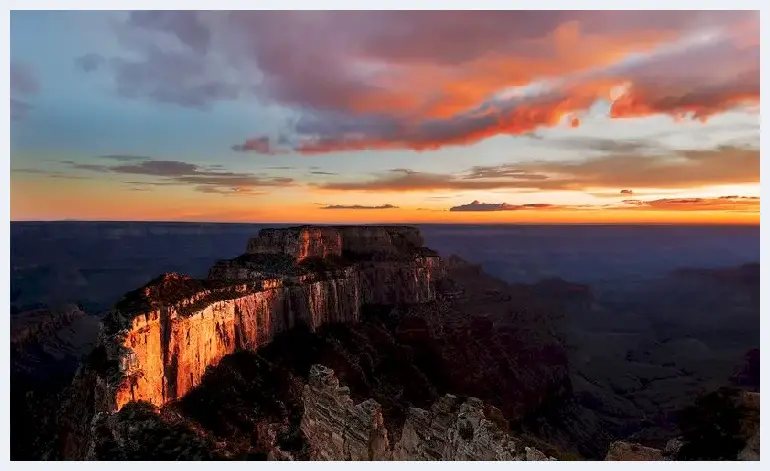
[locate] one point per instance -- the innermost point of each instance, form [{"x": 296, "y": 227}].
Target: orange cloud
[
  {"x": 723, "y": 203},
  {"x": 412, "y": 100}
]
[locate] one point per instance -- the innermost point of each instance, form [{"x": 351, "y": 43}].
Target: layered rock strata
[
  {"x": 161, "y": 338},
  {"x": 339, "y": 429}
]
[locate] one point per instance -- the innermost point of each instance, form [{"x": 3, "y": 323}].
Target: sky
[{"x": 364, "y": 117}]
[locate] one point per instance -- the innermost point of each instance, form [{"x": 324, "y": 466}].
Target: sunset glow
[{"x": 389, "y": 117}]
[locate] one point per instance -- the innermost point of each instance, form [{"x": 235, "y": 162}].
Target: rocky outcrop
[
  {"x": 46, "y": 340},
  {"x": 339, "y": 429},
  {"x": 298, "y": 242},
  {"x": 751, "y": 451},
  {"x": 747, "y": 376},
  {"x": 28, "y": 325},
  {"x": 161, "y": 338},
  {"x": 627, "y": 451},
  {"x": 726, "y": 431}
]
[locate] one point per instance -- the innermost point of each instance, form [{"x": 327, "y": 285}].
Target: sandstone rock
[
  {"x": 298, "y": 242},
  {"x": 166, "y": 350},
  {"x": 276, "y": 454},
  {"x": 338, "y": 429},
  {"x": 347, "y": 431},
  {"x": 304, "y": 242},
  {"x": 750, "y": 401},
  {"x": 751, "y": 451},
  {"x": 163, "y": 336},
  {"x": 382, "y": 240},
  {"x": 625, "y": 451},
  {"x": 672, "y": 448}
]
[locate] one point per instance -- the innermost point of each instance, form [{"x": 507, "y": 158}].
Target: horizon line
[{"x": 475, "y": 223}]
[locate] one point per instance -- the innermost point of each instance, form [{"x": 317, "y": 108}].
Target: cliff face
[
  {"x": 299, "y": 242},
  {"x": 338, "y": 429},
  {"x": 399, "y": 281},
  {"x": 162, "y": 337},
  {"x": 167, "y": 350}
]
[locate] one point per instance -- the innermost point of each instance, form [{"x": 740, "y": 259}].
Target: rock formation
[
  {"x": 714, "y": 438},
  {"x": 339, "y": 429},
  {"x": 627, "y": 451},
  {"x": 160, "y": 339}
]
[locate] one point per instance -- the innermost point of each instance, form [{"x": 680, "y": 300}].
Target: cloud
[
  {"x": 185, "y": 25},
  {"x": 477, "y": 206},
  {"x": 722, "y": 203},
  {"x": 124, "y": 158},
  {"x": 151, "y": 183},
  {"x": 320, "y": 172},
  {"x": 677, "y": 169},
  {"x": 501, "y": 171},
  {"x": 170, "y": 78},
  {"x": 174, "y": 172},
  {"x": 600, "y": 144},
  {"x": 260, "y": 145},
  {"x": 89, "y": 62},
  {"x": 425, "y": 80},
  {"x": 160, "y": 168},
  {"x": 91, "y": 167},
  {"x": 626, "y": 192},
  {"x": 157, "y": 71},
  {"x": 19, "y": 109},
  {"x": 425, "y": 102},
  {"x": 235, "y": 191},
  {"x": 23, "y": 79},
  {"x": 48, "y": 173},
  {"x": 359, "y": 206},
  {"x": 23, "y": 82}
]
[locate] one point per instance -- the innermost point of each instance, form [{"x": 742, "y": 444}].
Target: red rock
[
  {"x": 299, "y": 242},
  {"x": 164, "y": 335}
]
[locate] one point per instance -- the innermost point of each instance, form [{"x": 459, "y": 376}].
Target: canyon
[
  {"x": 297, "y": 286},
  {"x": 439, "y": 360},
  {"x": 163, "y": 336}
]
